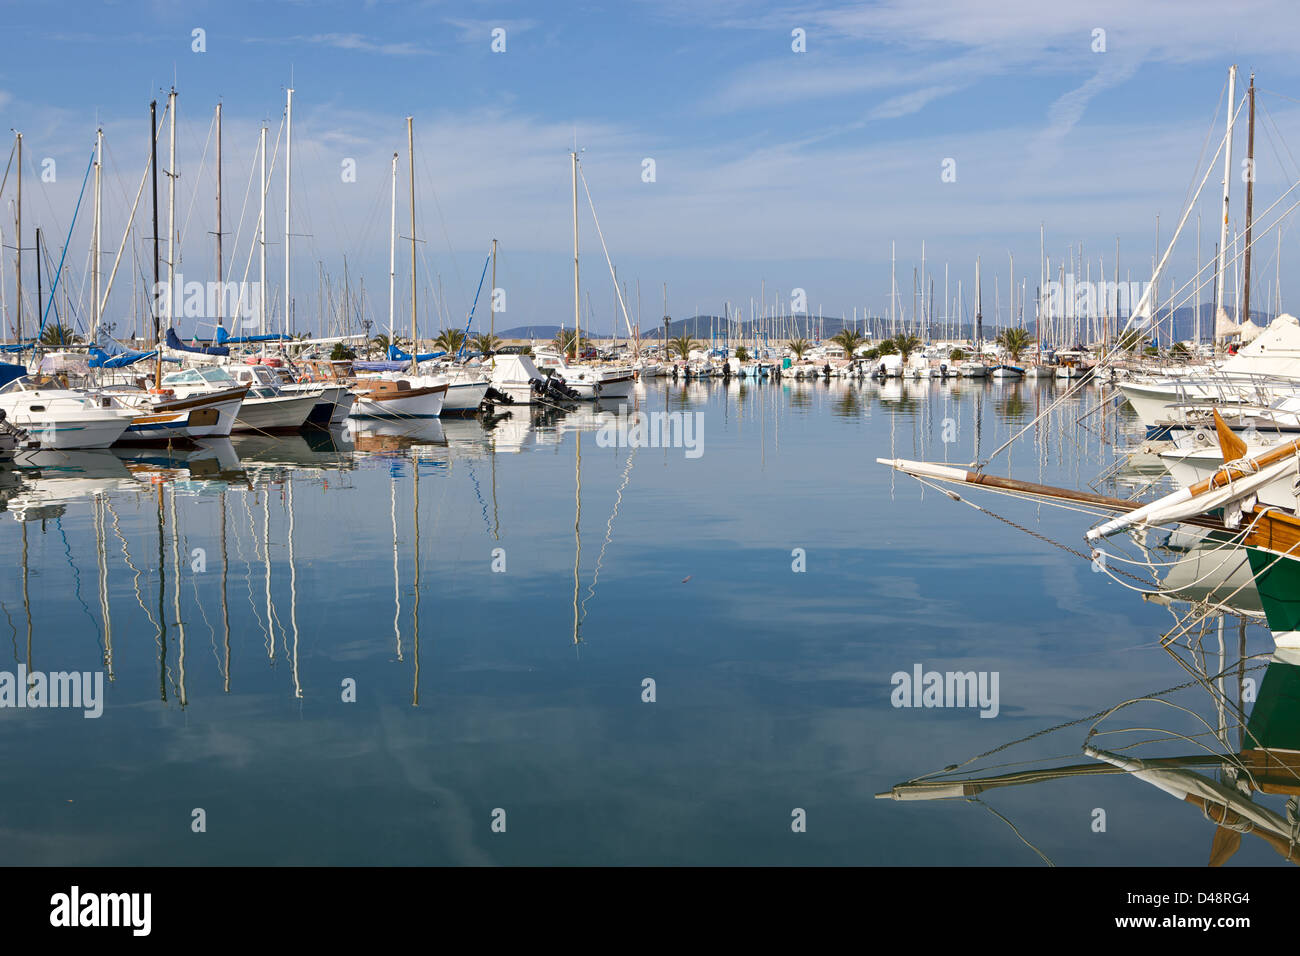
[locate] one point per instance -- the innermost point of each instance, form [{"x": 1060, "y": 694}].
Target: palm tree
[
  {"x": 849, "y": 340},
  {"x": 449, "y": 340},
  {"x": 1014, "y": 341},
  {"x": 957, "y": 355},
  {"x": 566, "y": 341},
  {"x": 1180, "y": 350},
  {"x": 341, "y": 352},
  {"x": 904, "y": 343},
  {"x": 742, "y": 354},
  {"x": 683, "y": 345},
  {"x": 487, "y": 343},
  {"x": 381, "y": 343},
  {"x": 59, "y": 335},
  {"x": 799, "y": 347},
  {"x": 1130, "y": 340}
]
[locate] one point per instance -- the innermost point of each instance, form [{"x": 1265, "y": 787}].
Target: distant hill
[
  {"x": 544, "y": 332},
  {"x": 702, "y": 326}
]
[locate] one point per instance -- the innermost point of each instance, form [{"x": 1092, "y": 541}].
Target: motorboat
[{"x": 56, "y": 416}]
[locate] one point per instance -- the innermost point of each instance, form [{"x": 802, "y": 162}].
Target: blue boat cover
[
  {"x": 397, "y": 355},
  {"x": 10, "y": 372},
  {"x": 174, "y": 343}
]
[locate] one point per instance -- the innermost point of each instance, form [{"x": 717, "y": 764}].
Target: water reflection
[
  {"x": 1227, "y": 741},
  {"x": 496, "y": 591}
]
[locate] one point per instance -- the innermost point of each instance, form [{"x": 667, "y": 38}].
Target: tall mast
[
  {"x": 262, "y": 228},
  {"x": 1221, "y": 265},
  {"x": 893, "y": 291},
  {"x": 19, "y": 233},
  {"x": 154, "y": 169},
  {"x": 171, "y": 230},
  {"x": 1250, "y": 196},
  {"x": 288, "y": 171},
  {"x": 40, "y": 305},
  {"x": 221, "y": 286},
  {"x": 94, "y": 261},
  {"x": 979, "y": 310},
  {"x": 1042, "y": 284},
  {"x": 415, "y": 335},
  {"x": 1011, "y": 292},
  {"x": 392, "y": 251},
  {"x": 577, "y": 311},
  {"x": 492, "y": 299}
]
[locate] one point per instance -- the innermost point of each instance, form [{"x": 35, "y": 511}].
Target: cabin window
[{"x": 38, "y": 408}]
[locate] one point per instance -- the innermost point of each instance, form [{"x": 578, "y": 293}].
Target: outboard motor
[{"x": 494, "y": 397}]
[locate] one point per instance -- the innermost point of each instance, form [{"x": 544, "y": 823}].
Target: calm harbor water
[{"x": 495, "y": 597}]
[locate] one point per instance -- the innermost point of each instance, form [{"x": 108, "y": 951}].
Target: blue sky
[{"x": 797, "y": 169}]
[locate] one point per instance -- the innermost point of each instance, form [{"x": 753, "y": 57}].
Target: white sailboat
[{"x": 411, "y": 395}]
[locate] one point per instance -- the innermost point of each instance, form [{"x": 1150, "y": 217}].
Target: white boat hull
[
  {"x": 465, "y": 396},
  {"x": 281, "y": 413},
  {"x": 424, "y": 405},
  {"x": 91, "y": 428}
]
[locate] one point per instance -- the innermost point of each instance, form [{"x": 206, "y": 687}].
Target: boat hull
[
  {"x": 282, "y": 413},
  {"x": 89, "y": 429},
  {"x": 399, "y": 404},
  {"x": 202, "y": 416},
  {"x": 463, "y": 397}
]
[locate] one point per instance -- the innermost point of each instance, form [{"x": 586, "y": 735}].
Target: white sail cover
[
  {"x": 1275, "y": 351},
  {"x": 1182, "y": 504},
  {"x": 1224, "y": 327},
  {"x": 1249, "y": 331}
]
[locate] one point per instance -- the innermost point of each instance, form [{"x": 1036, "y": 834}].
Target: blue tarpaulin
[
  {"x": 397, "y": 355},
  {"x": 174, "y": 343},
  {"x": 10, "y": 372}
]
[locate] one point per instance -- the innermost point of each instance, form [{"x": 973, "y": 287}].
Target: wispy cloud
[
  {"x": 350, "y": 41},
  {"x": 1064, "y": 114},
  {"x": 480, "y": 31}
]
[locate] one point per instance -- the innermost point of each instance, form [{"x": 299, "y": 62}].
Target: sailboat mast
[
  {"x": 221, "y": 274},
  {"x": 415, "y": 334},
  {"x": 1250, "y": 196},
  {"x": 1221, "y": 264},
  {"x": 577, "y": 310},
  {"x": 492, "y": 299},
  {"x": 94, "y": 262},
  {"x": 288, "y": 172},
  {"x": 18, "y": 268},
  {"x": 171, "y": 231},
  {"x": 261, "y": 221},
  {"x": 392, "y": 252},
  {"x": 979, "y": 311},
  {"x": 153, "y": 166}
]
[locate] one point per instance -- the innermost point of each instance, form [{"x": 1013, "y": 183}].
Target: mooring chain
[{"x": 1035, "y": 534}]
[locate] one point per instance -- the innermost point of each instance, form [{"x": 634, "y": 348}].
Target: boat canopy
[
  {"x": 176, "y": 344},
  {"x": 225, "y": 338},
  {"x": 1273, "y": 352},
  {"x": 113, "y": 355},
  {"x": 397, "y": 355}
]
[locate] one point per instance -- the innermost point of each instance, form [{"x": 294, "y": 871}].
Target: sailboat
[
  {"x": 411, "y": 396},
  {"x": 591, "y": 382}
]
